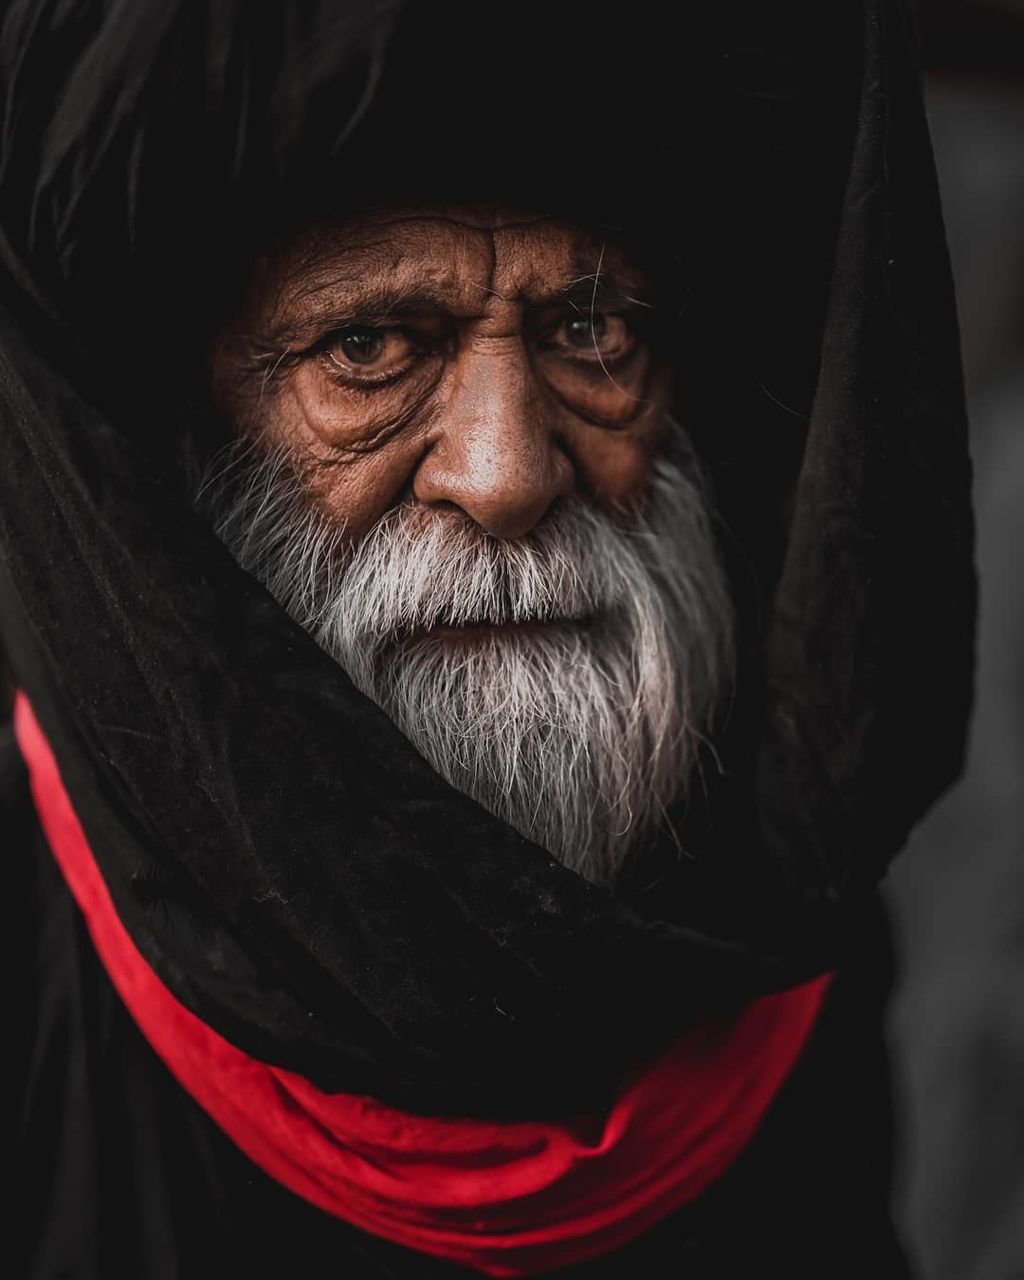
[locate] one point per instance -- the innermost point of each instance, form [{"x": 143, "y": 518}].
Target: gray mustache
[{"x": 412, "y": 574}]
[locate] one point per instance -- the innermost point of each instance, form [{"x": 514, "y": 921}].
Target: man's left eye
[
  {"x": 600, "y": 335},
  {"x": 363, "y": 350}
]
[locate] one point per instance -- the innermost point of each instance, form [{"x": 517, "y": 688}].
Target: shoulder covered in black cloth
[{"x": 220, "y": 761}]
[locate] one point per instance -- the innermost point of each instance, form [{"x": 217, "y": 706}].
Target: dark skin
[{"x": 459, "y": 357}]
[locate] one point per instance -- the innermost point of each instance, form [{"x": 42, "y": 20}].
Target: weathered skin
[{"x": 456, "y": 356}]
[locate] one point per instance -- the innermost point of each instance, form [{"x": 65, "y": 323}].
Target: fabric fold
[{"x": 510, "y": 1199}]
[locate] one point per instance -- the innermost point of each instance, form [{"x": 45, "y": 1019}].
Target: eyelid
[
  {"x": 634, "y": 315},
  {"x": 328, "y": 324},
  {"x": 338, "y": 331},
  {"x": 357, "y": 378},
  {"x": 547, "y": 337}
]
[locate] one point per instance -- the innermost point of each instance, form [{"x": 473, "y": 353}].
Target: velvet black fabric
[
  {"x": 291, "y": 868},
  {"x": 120, "y": 1174}
]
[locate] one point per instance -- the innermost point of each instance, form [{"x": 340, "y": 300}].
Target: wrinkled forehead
[{"x": 452, "y": 255}]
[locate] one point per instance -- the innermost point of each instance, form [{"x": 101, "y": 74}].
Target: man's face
[
  {"x": 460, "y": 473},
  {"x": 466, "y": 358}
]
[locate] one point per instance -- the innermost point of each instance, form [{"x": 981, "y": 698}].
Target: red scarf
[{"x": 508, "y": 1199}]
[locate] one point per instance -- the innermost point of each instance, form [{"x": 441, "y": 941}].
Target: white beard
[{"x": 578, "y": 733}]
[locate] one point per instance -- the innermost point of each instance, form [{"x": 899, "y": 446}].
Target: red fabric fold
[{"x": 507, "y": 1199}]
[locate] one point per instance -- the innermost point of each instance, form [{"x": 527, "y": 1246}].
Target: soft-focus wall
[{"x": 957, "y": 1018}]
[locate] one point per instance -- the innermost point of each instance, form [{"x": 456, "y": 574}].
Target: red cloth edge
[{"x": 508, "y": 1199}]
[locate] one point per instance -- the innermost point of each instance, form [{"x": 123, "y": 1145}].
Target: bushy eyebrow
[
  {"x": 341, "y": 301},
  {"x": 606, "y": 286},
  {"x": 366, "y": 283}
]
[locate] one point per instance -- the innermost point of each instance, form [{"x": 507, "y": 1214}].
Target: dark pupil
[
  {"x": 362, "y": 346},
  {"x": 586, "y": 331}
]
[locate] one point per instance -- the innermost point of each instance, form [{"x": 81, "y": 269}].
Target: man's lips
[
  {"x": 483, "y": 630},
  {"x": 489, "y": 628}
]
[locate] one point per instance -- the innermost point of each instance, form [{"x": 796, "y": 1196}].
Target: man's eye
[
  {"x": 600, "y": 335},
  {"x": 362, "y": 350}
]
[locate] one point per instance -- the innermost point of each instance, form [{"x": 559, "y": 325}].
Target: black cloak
[{"x": 283, "y": 858}]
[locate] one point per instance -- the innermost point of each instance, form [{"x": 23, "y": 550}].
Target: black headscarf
[{"x": 292, "y": 869}]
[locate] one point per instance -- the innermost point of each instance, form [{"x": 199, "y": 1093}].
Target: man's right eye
[
  {"x": 361, "y": 346},
  {"x": 367, "y": 354}
]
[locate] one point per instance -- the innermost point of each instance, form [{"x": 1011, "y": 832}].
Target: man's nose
[{"x": 498, "y": 455}]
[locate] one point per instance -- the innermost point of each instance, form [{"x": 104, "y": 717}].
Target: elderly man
[
  {"x": 459, "y": 471},
  {"x": 487, "y": 582}
]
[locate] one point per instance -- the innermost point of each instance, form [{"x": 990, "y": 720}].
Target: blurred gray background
[{"x": 956, "y": 1021}]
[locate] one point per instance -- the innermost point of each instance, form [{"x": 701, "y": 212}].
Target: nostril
[{"x": 502, "y": 466}]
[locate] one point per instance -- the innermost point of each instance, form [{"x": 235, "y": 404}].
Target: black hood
[{"x": 288, "y": 864}]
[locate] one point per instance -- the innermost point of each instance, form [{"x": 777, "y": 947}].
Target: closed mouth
[{"x": 483, "y": 629}]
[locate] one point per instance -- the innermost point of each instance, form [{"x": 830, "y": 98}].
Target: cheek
[
  {"x": 356, "y": 492},
  {"x": 353, "y": 477},
  {"x": 351, "y": 419},
  {"x": 357, "y": 471},
  {"x": 615, "y": 466},
  {"x": 614, "y": 398},
  {"x": 614, "y": 471}
]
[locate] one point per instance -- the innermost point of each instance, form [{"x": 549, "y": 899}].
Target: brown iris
[
  {"x": 362, "y": 351},
  {"x": 599, "y": 336}
]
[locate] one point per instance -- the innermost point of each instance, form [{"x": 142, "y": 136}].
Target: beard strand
[{"x": 578, "y": 729}]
